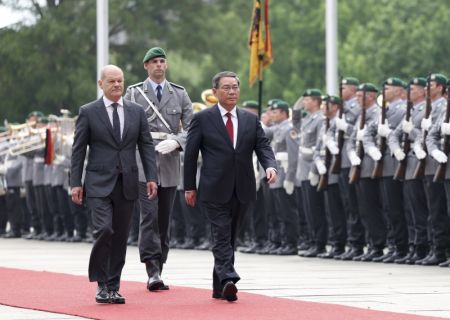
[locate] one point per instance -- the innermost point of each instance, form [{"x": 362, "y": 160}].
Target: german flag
[{"x": 260, "y": 46}]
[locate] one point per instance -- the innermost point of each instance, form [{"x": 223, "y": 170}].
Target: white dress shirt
[
  {"x": 110, "y": 111},
  {"x": 234, "y": 120}
]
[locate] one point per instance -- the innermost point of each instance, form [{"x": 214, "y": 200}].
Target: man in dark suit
[
  {"x": 227, "y": 138},
  {"x": 112, "y": 128}
]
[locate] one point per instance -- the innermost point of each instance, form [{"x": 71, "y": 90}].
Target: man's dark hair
[{"x": 224, "y": 74}]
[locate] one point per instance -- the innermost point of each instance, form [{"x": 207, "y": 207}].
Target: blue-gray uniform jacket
[
  {"x": 27, "y": 168},
  {"x": 48, "y": 172},
  {"x": 437, "y": 108},
  {"x": 394, "y": 115},
  {"x": 278, "y": 134},
  {"x": 396, "y": 138},
  {"x": 293, "y": 144},
  {"x": 351, "y": 113},
  {"x": 176, "y": 108},
  {"x": 434, "y": 137},
  {"x": 38, "y": 168},
  {"x": 320, "y": 152},
  {"x": 60, "y": 171},
  {"x": 13, "y": 175},
  {"x": 367, "y": 163},
  {"x": 309, "y": 132}
]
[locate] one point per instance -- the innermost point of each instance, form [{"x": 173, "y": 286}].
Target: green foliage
[{"x": 52, "y": 63}]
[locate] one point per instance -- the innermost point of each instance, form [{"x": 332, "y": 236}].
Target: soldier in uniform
[
  {"x": 167, "y": 106},
  {"x": 414, "y": 196},
  {"x": 368, "y": 189},
  {"x": 355, "y": 231},
  {"x": 312, "y": 200},
  {"x": 438, "y": 212}
]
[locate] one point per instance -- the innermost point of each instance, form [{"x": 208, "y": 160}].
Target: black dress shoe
[
  {"x": 102, "y": 295},
  {"x": 303, "y": 246},
  {"x": 313, "y": 252},
  {"x": 287, "y": 250},
  {"x": 434, "y": 259},
  {"x": 205, "y": 245},
  {"x": 335, "y": 251},
  {"x": 445, "y": 264},
  {"x": 397, "y": 255},
  {"x": 154, "y": 282},
  {"x": 116, "y": 297},
  {"x": 350, "y": 254},
  {"x": 383, "y": 256},
  {"x": 374, "y": 254},
  {"x": 217, "y": 294},
  {"x": 229, "y": 291},
  {"x": 12, "y": 235}
]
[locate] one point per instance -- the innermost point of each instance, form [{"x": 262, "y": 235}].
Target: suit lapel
[
  {"x": 242, "y": 118},
  {"x": 216, "y": 119},
  {"x": 126, "y": 120},
  {"x": 103, "y": 115}
]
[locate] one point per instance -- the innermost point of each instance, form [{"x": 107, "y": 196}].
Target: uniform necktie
[
  {"x": 158, "y": 92},
  {"x": 229, "y": 126},
  {"x": 116, "y": 122}
]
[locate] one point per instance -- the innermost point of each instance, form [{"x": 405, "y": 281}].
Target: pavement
[{"x": 409, "y": 289}]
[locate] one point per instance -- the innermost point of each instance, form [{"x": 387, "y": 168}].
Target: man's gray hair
[{"x": 224, "y": 74}]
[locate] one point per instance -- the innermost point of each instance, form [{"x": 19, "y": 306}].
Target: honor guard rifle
[
  {"x": 323, "y": 181},
  {"x": 400, "y": 171},
  {"x": 336, "y": 168},
  {"x": 420, "y": 169},
  {"x": 378, "y": 168},
  {"x": 439, "y": 176},
  {"x": 355, "y": 171}
]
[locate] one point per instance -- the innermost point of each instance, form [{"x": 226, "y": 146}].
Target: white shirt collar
[
  {"x": 223, "y": 111},
  {"x": 108, "y": 102}
]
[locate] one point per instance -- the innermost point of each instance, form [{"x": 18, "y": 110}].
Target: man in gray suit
[
  {"x": 112, "y": 127},
  {"x": 167, "y": 106}
]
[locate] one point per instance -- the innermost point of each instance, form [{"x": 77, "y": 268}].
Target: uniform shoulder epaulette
[
  {"x": 177, "y": 86},
  {"x": 135, "y": 85}
]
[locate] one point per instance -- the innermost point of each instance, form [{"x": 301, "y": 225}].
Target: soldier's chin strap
[{"x": 155, "y": 110}]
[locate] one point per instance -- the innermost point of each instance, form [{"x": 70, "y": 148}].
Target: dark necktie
[
  {"x": 229, "y": 126},
  {"x": 116, "y": 122},
  {"x": 158, "y": 92}
]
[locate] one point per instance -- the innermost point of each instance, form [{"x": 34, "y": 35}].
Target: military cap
[
  {"x": 439, "y": 78},
  {"x": 312, "y": 93},
  {"x": 332, "y": 99},
  {"x": 419, "y": 81},
  {"x": 37, "y": 114},
  {"x": 351, "y": 81},
  {"x": 43, "y": 119},
  {"x": 250, "y": 104},
  {"x": 154, "y": 53},
  {"x": 368, "y": 87},
  {"x": 396, "y": 82},
  {"x": 280, "y": 105},
  {"x": 271, "y": 102},
  {"x": 2, "y": 129}
]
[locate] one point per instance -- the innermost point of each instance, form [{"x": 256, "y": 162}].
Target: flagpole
[{"x": 260, "y": 85}]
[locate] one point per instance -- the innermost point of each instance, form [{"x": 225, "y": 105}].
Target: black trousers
[
  {"x": 273, "y": 219},
  {"x": 14, "y": 209},
  {"x": 314, "y": 207},
  {"x": 437, "y": 204},
  {"x": 81, "y": 217},
  {"x": 3, "y": 214},
  {"x": 260, "y": 225},
  {"x": 371, "y": 211},
  {"x": 225, "y": 219},
  {"x": 304, "y": 233},
  {"x": 336, "y": 216},
  {"x": 111, "y": 218},
  {"x": 64, "y": 211},
  {"x": 393, "y": 198},
  {"x": 56, "y": 216},
  {"x": 178, "y": 230},
  {"x": 35, "y": 219},
  {"x": 43, "y": 209},
  {"x": 356, "y": 234},
  {"x": 154, "y": 231},
  {"x": 287, "y": 210},
  {"x": 416, "y": 203}
]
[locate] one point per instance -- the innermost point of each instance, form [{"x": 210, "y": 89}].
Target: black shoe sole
[
  {"x": 155, "y": 286},
  {"x": 102, "y": 300},
  {"x": 229, "y": 292}
]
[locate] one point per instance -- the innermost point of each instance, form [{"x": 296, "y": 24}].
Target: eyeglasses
[{"x": 229, "y": 88}]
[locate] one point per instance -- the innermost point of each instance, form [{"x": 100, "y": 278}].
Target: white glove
[
  {"x": 399, "y": 154},
  {"x": 58, "y": 159},
  {"x": 407, "y": 126},
  {"x": 288, "y": 186},
  {"x": 360, "y": 134},
  {"x": 320, "y": 167},
  {"x": 306, "y": 151},
  {"x": 313, "y": 179},
  {"x": 439, "y": 156},
  {"x": 445, "y": 128},
  {"x": 283, "y": 158},
  {"x": 167, "y": 146},
  {"x": 331, "y": 145},
  {"x": 341, "y": 124},
  {"x": 2, "y": 169},
  {"x": 420, "y": 153},
  {"x": 384, "y": 130},
  {"x": 325, "y": 138},
  {"x": 354, "y": 159},
  {"x": 425, "y": 124},
  {"x": 374, "y": 153}
]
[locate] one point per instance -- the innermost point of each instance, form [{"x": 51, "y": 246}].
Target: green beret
[
  {"x": 43, "y": 119},
  {"x": 439, "y": 78},
  {"x": 37, "y": 114},
  {"x": 368, "y": 87},
  {"x": 351, "y": 81},
  {"x": 312, "y": 93},
  {"x": 419, "y": 81},
  {"x": 2, "y": 129},
  {"x": 271, "y": 102},
  {"x": 281, "y": 105},
  {"x": 332, "y": 99},
  {"x": 154, "y": 53},
  {"x": 250, "y": 104},
  {"x": 396, "y": 82}
]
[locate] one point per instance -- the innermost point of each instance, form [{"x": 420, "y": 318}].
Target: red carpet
[{"x": 74, "y": 295}]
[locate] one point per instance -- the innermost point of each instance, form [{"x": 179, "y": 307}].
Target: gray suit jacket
[{"x": 108, "y": 157}]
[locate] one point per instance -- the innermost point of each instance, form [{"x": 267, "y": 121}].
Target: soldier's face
[
  {"x": 156, "y": 68},
  {"x": 112, "y": 84},
  {"x": 278, "y": 115},
  {"x": 417, "y": 93},
  {"x": 310, "y": 104},
  {"x": 348, "y": 91}
]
